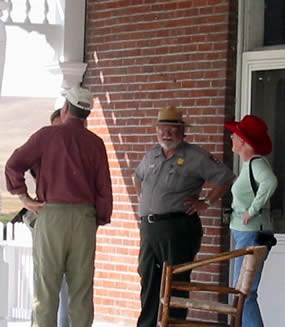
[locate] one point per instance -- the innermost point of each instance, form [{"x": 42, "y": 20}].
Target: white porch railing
[
  {"x": 16, "y": 270},
  {"x": 35, "y": 12}
]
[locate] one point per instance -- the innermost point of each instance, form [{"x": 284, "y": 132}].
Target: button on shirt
[
  {"x": 166, "y": 183},
  {"x": 72, "y": 167}
]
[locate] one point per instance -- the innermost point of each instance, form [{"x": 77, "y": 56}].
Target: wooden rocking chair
[{"x": 253, "y": 258}]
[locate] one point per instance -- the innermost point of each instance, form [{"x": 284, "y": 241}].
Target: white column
[
  {"x": 4, "y": 279},
  {"x": 4, "y": 272},
  {"x": 74, "y": 27},
  {"x": 3, "y": 6},
  {"x": 72, "y": 73},
  {"x": 72, "y": 65}
]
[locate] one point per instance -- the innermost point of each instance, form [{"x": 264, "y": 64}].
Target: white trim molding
[
  {"x": 72, "y": 73},
  {"x": 270, "y": 58}
]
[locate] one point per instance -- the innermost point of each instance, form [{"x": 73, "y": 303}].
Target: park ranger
[{"x": 169, "y": 181}]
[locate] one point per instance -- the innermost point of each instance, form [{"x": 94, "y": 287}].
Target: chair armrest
[{"x": 225, "y": 256}]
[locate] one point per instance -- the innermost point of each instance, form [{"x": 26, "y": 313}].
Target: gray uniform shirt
[{"x": 166, "y": 183}]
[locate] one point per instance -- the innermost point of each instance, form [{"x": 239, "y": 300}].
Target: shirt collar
[
  {"x": 179, "y": 151},
  {"x": 74, "y": 122}
]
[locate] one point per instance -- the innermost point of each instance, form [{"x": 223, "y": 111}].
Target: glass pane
[
  {"x": 274, "y": 22},
  {"x": 268, "y": 102}
]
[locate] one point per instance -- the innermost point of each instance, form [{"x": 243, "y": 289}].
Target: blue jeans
[{"x": 251, "y": 313}]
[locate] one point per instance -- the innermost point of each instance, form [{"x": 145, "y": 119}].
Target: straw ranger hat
[
  {"x": 253, "y": 130},
  {"x": 170, "y": 115}
]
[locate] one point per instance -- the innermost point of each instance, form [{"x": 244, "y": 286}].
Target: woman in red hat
[{"x": 251, "y": 208}]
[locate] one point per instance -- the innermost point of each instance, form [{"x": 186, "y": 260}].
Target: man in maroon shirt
[{"x": 74, "y": 197}]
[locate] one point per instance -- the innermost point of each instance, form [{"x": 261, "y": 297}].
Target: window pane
[
  {"x": 274, "y": 22},
  {"x": 268, "y": 102}
]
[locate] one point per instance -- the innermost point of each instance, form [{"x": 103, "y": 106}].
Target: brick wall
[{"x": 143, "y": 55}]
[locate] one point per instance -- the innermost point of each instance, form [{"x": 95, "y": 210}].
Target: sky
[{"x": 19, "y": 118}]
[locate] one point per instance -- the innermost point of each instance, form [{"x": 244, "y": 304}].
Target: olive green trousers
[{"x": 64, "y": 242}]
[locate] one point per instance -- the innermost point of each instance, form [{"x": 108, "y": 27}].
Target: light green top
[{"x": 245, "y": 200}]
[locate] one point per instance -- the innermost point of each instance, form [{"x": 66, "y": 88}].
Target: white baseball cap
[
  {"x": 80, "y": 98},
  {"x": 59, "y": 102}
]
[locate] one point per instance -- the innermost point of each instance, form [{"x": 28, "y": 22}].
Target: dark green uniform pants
[{"x": 175, "y": 241}]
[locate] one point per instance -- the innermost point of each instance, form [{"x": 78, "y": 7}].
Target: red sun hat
[{"x": 253, "y": 130}]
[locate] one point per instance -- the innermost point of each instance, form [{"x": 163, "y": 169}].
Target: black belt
[{"x": 153, "y": 218}]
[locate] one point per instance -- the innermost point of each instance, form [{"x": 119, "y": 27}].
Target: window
[{"x": 274, "y": 22}]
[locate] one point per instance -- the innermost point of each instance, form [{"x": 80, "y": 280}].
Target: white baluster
[
  {"x": 9, "y": 8},
  {"x": 4, "y": 6},
  {"x": 28, "y": 9},
  {"x": 22, "y": 234},
  {"x": 9, "y": 231},
  {"x": 46, "y": 11},
  {"x": 1, "y": 231}
]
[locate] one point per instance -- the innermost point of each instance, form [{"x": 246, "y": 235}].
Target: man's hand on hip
[{"x": 31, "y": 204}]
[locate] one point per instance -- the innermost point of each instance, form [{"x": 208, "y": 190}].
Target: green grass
[
  {"x": 6, "y": 217},
  {"x": 10, "y": 205}
]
